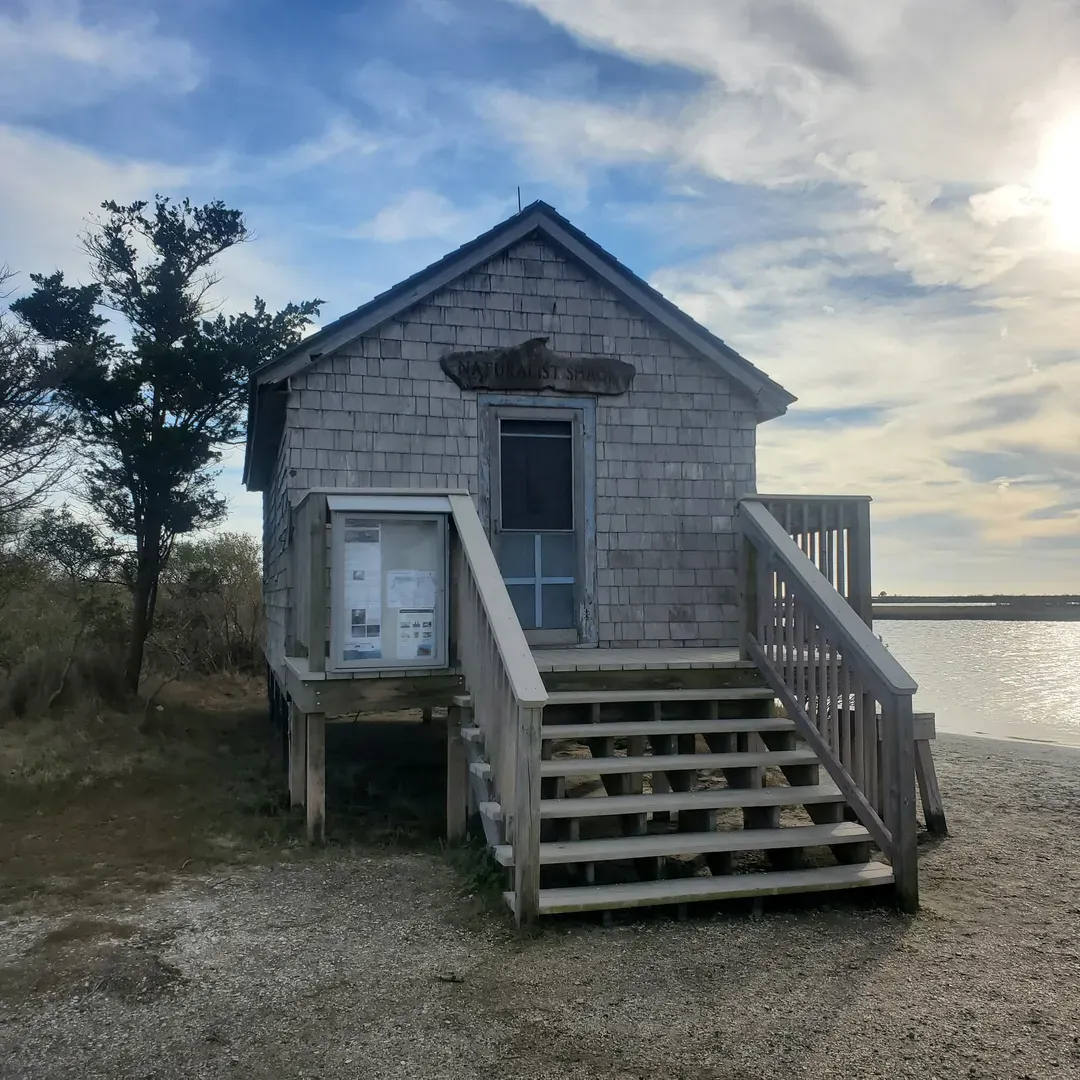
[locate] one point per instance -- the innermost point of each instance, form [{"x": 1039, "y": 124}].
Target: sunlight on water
[{"x": 1006, "y": 679}]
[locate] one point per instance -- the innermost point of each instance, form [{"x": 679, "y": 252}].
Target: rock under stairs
[{"x": 671, "y": 794}]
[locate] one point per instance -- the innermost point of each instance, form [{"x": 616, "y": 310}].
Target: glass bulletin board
[{"x": 388, "y": 581}]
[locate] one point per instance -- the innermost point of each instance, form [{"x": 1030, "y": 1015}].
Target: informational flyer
[
  {"x": 416, "y": 634},
  {"x": 363, "y": 591},
  {"x": 411, "y": 589}
]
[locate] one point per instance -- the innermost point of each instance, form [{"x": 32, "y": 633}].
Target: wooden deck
[{"x": 635, "y": 659}]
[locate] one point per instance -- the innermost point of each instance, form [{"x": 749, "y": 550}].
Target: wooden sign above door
[{"x": 533, "y": 366}]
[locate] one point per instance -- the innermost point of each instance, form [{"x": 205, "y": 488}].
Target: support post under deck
[
  {"x": 457, "y": 776},
  {"x": 297, "y": 756},
  {"x": 316, "y": 778}
]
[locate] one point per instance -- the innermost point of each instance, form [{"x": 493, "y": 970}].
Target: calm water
[{"x": 1009, "y": 680}]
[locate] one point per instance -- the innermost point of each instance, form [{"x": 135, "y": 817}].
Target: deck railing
[
  {"x": 508, "y": 695},
  {"x": 837, "y": 682},
  {"x": 833, "y": 532}
]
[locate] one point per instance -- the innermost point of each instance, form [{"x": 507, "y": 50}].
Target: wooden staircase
[
  {"x": 669, "y": 779},
  {"x": 674, "y": 788}
]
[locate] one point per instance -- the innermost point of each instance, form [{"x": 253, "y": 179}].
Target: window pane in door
[
  {"x": 537, "y": 475},
  {"x": 523, "y": 597},
  {"x": 558, "y": 606},
  {"x": 558, "y": 555},
  {"x": 517, "y": 555}
]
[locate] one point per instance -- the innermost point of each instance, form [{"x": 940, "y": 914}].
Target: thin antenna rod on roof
[{"x": 519, "y": 198}]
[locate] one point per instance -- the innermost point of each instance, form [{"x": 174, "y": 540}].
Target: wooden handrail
[
  {"x": 517, "y": 657},
  {"x": 860, "y": 643},
  {"x": 508, "y": 695},
  {"x": 838, "y": 683}
]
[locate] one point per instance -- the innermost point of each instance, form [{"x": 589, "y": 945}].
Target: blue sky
[{"x": 879, "y": 204}]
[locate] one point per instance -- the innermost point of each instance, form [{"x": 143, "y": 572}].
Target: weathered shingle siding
[
  {"x": 673, "y": 455},
  {"x": 276, "y": 569}
]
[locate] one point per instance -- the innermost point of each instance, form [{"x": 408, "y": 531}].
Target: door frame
[{"x": 491, "y": 408}]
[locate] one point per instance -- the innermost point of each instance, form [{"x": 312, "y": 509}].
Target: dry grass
[
  {"x": 93, "y": 804},
  {"x": 98, "y": 803}
]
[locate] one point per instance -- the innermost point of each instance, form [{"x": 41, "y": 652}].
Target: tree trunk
[{"x": 143, "y": 596}]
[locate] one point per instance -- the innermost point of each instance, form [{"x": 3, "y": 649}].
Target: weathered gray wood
[
  {"x": 663, "y": 763},
  {"x": 626, "y": 697},
  {"x": 621, "y": 729},
  {"x": 844, "y": 833},
  {"x": 748, "y": 591},
  {"x": 526, "y": 839},
  {"x": 900, "y": 803},
  {"x": 316, "y": 778},
  {"x": 840, "y": 776},
  {"x": 457, "y": 776},
  {"x": 874, "y": 664},
  {"x": 297, "y": 756},
  {"x": 318, "y": 599},
  {"x": 862, "y": 592},
  {"x": 710, "y": 799},
  {"x": 694, "y": 889},
  {"x": 929, "y": 792},
  {"x": 514, "y": 650},
  {"x": 351, "y": 699}
]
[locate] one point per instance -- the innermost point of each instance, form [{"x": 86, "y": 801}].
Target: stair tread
[
  {"x": 691, "y": 843},
  {"x": 693, "y": 889},
  {"x": 626, "y": 728},
  {"x": 715, "y": 799},
  {"x": 717, "y": 693},
  {"x": 596, "y": 766}
]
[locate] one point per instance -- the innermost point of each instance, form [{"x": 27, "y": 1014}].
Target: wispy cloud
[
  {"x": 427, "y": 215},
  {"x": 55, "y": 55},
  {"x": 913, "y": 275}
]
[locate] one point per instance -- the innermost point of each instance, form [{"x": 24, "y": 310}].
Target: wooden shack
[{"x": 613, "y": 594}]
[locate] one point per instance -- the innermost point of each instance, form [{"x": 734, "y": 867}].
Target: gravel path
[{"x": 373, "y": 967}]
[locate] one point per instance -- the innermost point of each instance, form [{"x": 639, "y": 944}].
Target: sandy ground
[{"x": 377, "y": 966}]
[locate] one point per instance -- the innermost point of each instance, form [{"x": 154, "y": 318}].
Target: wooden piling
[{"x": 316, "y": 778}]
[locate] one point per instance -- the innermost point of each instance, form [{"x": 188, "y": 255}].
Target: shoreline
[{"x": 1044, "y": 748}]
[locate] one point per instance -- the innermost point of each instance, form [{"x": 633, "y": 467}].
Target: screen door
[{"x": 538, "y": 522}]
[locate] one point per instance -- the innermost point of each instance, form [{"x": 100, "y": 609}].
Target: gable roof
[{"x": 537, "y": 218}]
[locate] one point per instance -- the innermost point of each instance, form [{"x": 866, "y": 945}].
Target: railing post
[
  {"x": 526, "y": 838},
  {"x": 862, "y": 597},
  {"x": 899, "y": 799},
  {"x": 748, "y": 593}
]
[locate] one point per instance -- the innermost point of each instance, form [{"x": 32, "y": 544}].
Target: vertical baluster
[
  {"x": 870, "y": 749},
  {"x": 799, "y": 679},
  {"x": 834, "y": 679},
  {"x": 806, "y": 530},
  {"x": 845, "y": 715},
  {"x": 830, "y": 696},
  {"x": 773, "y": 615},
  {"x": 858, "y": 753},
  {"x": 763, "y": 597},
  {"x": 822, "y": 684},
  {"x": 789, "y": 636},
  {"x": 841, "y": 553},
  {"x": 827, "y": 543}
]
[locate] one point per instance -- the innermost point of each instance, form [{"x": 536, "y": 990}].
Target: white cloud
[
  {"x": 341, "y": 138},
  {"x": 926, "y": 161},
  {"x": 53, "y": 56},
  {"x": 50, "y": 187},
  {"x": 426, "y": 215}
]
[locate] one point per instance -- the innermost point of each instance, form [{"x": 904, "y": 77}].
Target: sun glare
[{"x": 1057, "y": 181}]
